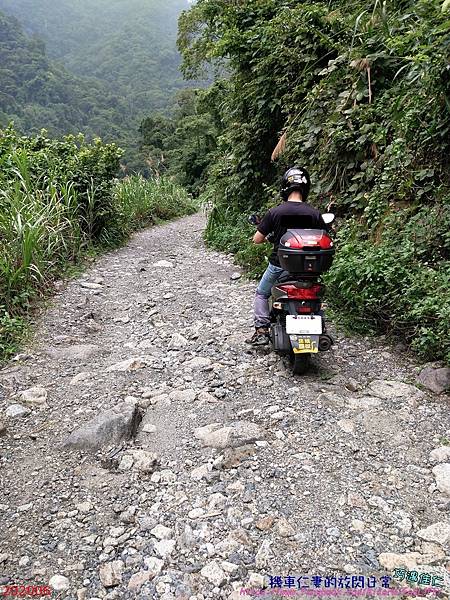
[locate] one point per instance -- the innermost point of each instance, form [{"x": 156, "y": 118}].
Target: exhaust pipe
[{"x": 325, "y": 343}]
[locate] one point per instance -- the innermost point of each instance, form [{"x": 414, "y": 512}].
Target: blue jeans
[{"x": 263, "y": 291}]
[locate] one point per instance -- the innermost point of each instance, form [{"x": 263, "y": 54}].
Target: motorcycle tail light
[
  {"x": 304, "y": 310},
  {"x": 325, "y": 242},
  {"x": 296, "y": 293},
  {"x": 294, "y": 242},
  {"x": 313, "y": 239}
]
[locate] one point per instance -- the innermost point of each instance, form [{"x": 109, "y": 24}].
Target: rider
[{"x": 292, "y": 213}]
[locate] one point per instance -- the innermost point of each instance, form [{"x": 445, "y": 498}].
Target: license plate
[
  {"x": 305, "y": 344},
  {"x": 304, "y": 324}
]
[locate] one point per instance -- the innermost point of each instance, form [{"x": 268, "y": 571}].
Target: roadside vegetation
[{"x": 59, "y": 202}]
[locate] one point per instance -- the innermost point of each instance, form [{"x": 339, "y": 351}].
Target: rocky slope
[{"x": 146, "y": 452}]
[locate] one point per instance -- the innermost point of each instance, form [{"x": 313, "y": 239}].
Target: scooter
[{"x": 298, "y": 327}]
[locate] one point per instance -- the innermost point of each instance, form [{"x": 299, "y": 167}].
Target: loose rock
[
  {"x": 111, "y": 573},
  {"x": 137, "y": 580},
  {"x": 284, "y": 528},
  {"x": 265, "y": 523},
  {"x": 392, "y": 389},
  {"x": 198, "y": 362},
  {"x": 163, "y": 264},
  {"x": 213, "y": 573},
  {"x": 262, "y": 557},
  {"x": 90, "y": 285},
  {"x": 346, "y": 425},
  {"x": 131, "y": 364},
  {"x": 154, "y": 565},
  {"x": 35, "y": 396},
  {"x": 15, "y": 411},
  {"x": 144, "y": 461},
  {"x": 183, "y": 395},
  {"x": 178, "y": 341},
  {"x": 59, "y": 583},
  {"x": 78, "y": 352},
  {"x": 442, "y": 474},
  {"x": 391, "y": 560},
  {"x": 108, "y": 427},
  {"x": 438, "y": 532},
  {"x": 441, "y": 454},
  {"x": 237, "y": 434},
  {"x": 161, "y": 532}
]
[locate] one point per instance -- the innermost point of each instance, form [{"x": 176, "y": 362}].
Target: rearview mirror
[
  {"x": 254, "y": 219},
  {"x": 328, "y": 217}
]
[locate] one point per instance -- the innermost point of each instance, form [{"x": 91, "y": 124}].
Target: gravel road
[{"x": 147, "y": 452}]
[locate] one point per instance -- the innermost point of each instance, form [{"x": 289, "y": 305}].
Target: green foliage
[
  {"x": 235, "y": 238},
  {"x": 68, "y": 167},
  {"x": 398, "y": 283},
  {"x": 59, "y": 201},
  {"x": 129, "y": 46},
  {"x": 147, "y": 202},
  {"x": 361, "y": 90},
  {"x": 38, "y": 93},
  {"x": 120, "y": 62},
  {"x": 11, "y": 331},
  {"x": 183, "y": 145}
]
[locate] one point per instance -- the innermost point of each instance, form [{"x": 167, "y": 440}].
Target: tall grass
[
  {"x": 39, "y": 233},
  {"x": 146, "y": 202},
  {"x": 44, "y": 230}
]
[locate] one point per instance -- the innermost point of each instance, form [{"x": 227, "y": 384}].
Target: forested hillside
[
  {"x": 37, "y": 93},
  {"x": 130, "y": 45},
  {"x": 360, "y": 93},
  {"x": 99, "y": 68}
]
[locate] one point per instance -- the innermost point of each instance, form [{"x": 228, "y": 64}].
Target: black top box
[{"x": 306, "y": 251}]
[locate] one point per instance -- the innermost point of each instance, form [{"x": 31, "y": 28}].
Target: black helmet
[{"x": 296, "y": 179}]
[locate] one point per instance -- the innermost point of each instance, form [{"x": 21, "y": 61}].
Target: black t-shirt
[{"x": 289, "y": 215}]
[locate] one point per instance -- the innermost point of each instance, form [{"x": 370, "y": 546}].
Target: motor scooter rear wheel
[{"x": 299, "y": 362}]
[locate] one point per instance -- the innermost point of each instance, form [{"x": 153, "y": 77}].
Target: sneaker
[{"x": 261, "y": 337}]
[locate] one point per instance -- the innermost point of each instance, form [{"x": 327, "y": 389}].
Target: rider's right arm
[{"x": 265, "y": 226}]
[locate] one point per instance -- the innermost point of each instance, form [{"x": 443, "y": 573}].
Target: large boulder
[
  {"x": 436, "y": 380},
  {"x": 107, "y": 428}
]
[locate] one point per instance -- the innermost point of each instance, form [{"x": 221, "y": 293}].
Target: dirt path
[{"x": 310, "y": 476}]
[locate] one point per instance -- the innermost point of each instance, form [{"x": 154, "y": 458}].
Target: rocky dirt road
[{"x": 235, "y": 470}]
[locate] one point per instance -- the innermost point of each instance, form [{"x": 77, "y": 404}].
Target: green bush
[
  {"x": 47, "y": 165},
  {"x": 397, "y": 280},
  {"x": 140, "y": 202},
  {"x": 235, "y": 237}
]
